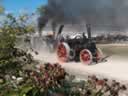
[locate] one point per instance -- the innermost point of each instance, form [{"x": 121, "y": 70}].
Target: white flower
[
  {"x": 19, "y": 79},
  {"x": 14, "y": 77}
]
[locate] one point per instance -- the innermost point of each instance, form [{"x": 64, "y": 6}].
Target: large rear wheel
[
  {"x": 63, "y": 52},
  {"x": 86, "y": 57}
]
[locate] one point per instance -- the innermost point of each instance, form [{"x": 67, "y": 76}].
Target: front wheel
[{"x": 86, "y": 57}]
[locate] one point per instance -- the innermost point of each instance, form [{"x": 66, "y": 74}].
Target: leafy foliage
[
  {"x": 13, "y": 60},
  {"x": 9, "y": 55},
  {"x": 41, "y": 9},
  {"x": 18, "y": 25},
  {"x": 1, "y": 10},
  {"x": 52, "y": 80}
]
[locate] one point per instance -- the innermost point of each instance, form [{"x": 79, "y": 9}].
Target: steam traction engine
[{"x": 79, "y": 48}]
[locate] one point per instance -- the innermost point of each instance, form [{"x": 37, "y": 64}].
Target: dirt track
[{"x": 116, "y": 66}]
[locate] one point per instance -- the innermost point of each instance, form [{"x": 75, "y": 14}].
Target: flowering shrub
[{"x": 52, "y": 80}]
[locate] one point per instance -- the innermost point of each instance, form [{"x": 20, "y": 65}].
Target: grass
[{"x": 114, "y": 50}]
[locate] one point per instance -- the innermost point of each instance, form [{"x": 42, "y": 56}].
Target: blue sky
[{"x": 15, "y": 6}]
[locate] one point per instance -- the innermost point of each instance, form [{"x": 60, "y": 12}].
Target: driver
[
  {"x": 84, "y": 36},
  {"x": 85, "y": 40}
]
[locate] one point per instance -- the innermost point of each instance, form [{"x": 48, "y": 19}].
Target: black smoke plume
[{"x": 98, "y": 13}]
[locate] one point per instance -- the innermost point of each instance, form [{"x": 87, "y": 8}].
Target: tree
[
  {"x": 1, "y": 10},
  {"x": 10, "y": 62},
  {"x": 41, "y": 10}
]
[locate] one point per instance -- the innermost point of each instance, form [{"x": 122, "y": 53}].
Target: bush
[{"x": 52, "y": 80}]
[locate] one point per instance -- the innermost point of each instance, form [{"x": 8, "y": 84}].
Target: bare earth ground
[{"x": 116, "y": 66}]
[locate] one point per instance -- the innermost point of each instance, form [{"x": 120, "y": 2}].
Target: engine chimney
[
  {"x": 60, "y": 29},
  {"x": 88, "y": 26}
]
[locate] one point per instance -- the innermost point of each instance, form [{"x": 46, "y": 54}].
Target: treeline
[{"x": 111, "y": 38}]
